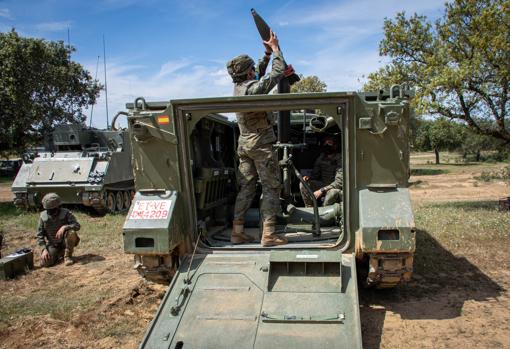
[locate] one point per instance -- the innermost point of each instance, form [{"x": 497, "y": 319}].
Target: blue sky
[{"x": 165, "y": 50}]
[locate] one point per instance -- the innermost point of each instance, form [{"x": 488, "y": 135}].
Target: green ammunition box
[{"x": 15, "y": 264}]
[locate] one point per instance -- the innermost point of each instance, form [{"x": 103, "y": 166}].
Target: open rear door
[{"x": 275, "y": 299}]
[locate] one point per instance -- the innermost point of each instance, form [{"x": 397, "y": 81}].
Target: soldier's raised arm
[
  {"x": 266, "y": 84},
  {"x": 261, "y": 67}
]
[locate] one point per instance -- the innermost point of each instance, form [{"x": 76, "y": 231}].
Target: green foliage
[
  {"x": 308, "y": 84},
  {"x": 460, "y": 65},
  {"x": 474, "y": 143},
  {"x": 39, "y": 87},
  {"x": 440, "y": 134}
]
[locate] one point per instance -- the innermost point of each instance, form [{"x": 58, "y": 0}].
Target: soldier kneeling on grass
[{"x": 56, "y": 232}]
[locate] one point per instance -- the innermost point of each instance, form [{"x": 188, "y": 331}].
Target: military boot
[
  {"x": 71, "y": 240},
  {"x": 238, "y": 235},
  {"x": 68, "y": 257},
  {"x": 269, "y": 237}
]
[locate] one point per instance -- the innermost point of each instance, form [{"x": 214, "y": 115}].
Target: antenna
[
  {"x": 92, "y": 109},
  {"x": 69, "y": 41},
  {"x": 105, "y": 85}
]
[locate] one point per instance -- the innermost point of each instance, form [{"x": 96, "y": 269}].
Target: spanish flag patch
[{"x": 163, "y": 120}]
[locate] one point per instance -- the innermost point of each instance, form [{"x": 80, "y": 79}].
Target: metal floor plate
[{"x": 228, "y": 304}]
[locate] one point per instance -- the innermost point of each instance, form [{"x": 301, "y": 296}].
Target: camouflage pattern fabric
[
  {"x": 70, "y": 241},
  {"x": 257, "y": 159},
  {"x": 327, "y": 174},
  {"x": 332, "y": 196},
  {"x": 48, "y": 227},
  {"x": 260, "y": 162},
  {"x": 47, "y": 230},
  {"x": 51, "y": 200}
]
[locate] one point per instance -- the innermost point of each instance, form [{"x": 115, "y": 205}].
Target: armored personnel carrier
[
  {"x": 300, "y": 295},
  {"x": 83, "y": 165}
]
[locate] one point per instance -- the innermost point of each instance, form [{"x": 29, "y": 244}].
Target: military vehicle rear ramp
[{"x": 260, "y": 300}]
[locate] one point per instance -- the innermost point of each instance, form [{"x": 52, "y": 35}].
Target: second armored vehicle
[{"x": 83, "y": 166}]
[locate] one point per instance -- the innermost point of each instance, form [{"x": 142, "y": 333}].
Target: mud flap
[{"x": 277, "y": 299}]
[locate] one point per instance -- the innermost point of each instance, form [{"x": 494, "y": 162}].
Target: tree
[
  {"x": 460, "y": 65},
  {"x": 474, "y": 143},
  {"x": 438, "y": 135},
  {"x": 308, "y": 84},
  {"x": 39, "y": 87}
]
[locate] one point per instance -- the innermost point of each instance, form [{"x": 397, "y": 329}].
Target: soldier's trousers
[
  {"x": 332, "y": 196},
  {"x": 70, "y": 241},
  {"x": 258, "y": 162}
]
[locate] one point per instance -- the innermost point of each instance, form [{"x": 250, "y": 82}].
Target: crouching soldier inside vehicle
[
  {"x": 327, "y": 177},
  {"x": 56, "y": 233}
]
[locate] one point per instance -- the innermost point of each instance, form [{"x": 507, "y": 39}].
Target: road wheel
[
  {"x": 110, "y": 202},
  {"x": 127, "y": 199},
  {"x": 119, "y": 200}
]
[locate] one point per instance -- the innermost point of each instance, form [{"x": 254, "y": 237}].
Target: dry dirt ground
[
  {"x": 458, "y": 296},
  {"x": 5, "y": 192}
]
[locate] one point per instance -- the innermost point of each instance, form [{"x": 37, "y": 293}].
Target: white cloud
[
  {"x": 342, "y": 49},
  {"x": 53, "y": 26},
  {"x": 361, "y": 11},
  {"x": 174, "y": 80},
  {"x": 344, "y": 37},
  {"x": 173, "y": 66},
  {"x": 5, "y": 13}
]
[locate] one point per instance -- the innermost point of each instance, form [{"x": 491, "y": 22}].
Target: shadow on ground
[
  {"x": 442, "y": 282},
  {"x": 88, "y": 258},
  {"x": 427, "y": 171}
]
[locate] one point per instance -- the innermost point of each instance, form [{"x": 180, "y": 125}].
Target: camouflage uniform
[
  {"x": 257, "y": 159},
  {"x": 327, "y": 174},
  {"x": 47, "y": 229}
]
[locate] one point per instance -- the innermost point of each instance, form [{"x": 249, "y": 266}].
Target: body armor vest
[{"x": 250, "y": 122}]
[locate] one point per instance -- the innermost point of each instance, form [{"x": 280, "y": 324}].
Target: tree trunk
[
  {"x": 478, "y": 156},
  {"x": 436, "y": 151}
]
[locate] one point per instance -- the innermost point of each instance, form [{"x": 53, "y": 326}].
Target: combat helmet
[
  {"x": 240, "y": 66},
  {"x": 51, "y": 201}
]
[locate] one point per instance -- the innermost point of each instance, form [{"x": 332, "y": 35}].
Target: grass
[
  {"x": 96, "y": 232},
  {"x": 424, "y": 164},
  {"x": 502, "y": 174},
  {"x": 462, "y": 224},
  {"x": 447, "y": 232},
  {"x": 13, "y": 220},
  {"x": 456, "y": 244},
  {"x": 429, "y": 158},
  {"x": 119, "y": 328},
  {"x": 40, "y": 293},
  {"x": 45, "y": 301},
  {"x": 6, "y": 180}
]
